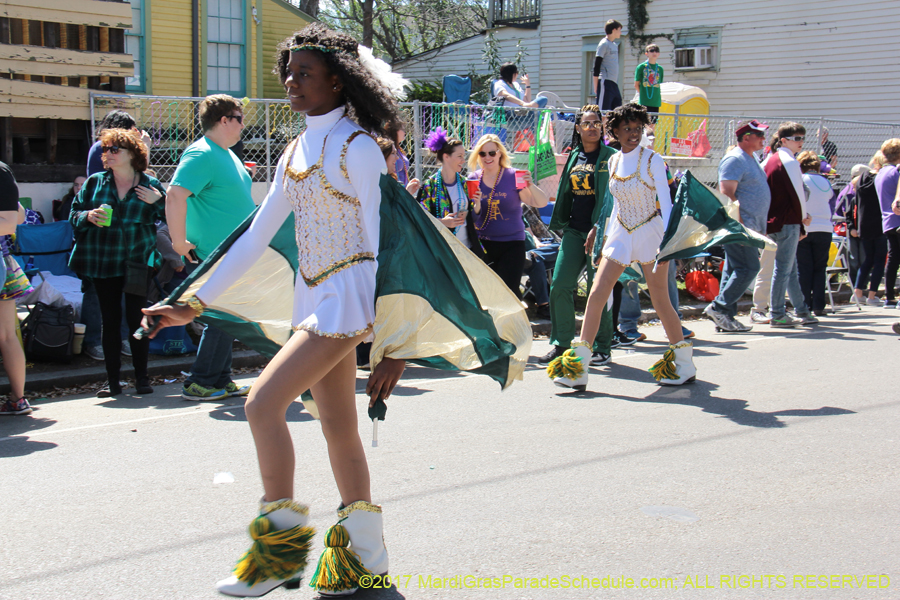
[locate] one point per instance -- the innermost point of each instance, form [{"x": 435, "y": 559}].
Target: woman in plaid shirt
[{"x": 108, "y": 250}]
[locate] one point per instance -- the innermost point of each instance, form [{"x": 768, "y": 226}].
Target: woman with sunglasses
[
  {"x": 114, "y": 216},
  {"x": 444, "y": 194},
  {"x": 498, "y": 209},
  {"x": 786, "y": 224},
  {"x": 582, "y": 189},
  {"x": 641, "y": 205}
]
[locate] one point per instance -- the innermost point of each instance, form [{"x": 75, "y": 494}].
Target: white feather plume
[{"x": 394, "y": 82}]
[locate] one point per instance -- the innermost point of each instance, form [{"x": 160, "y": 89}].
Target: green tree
[{"x": 401, "y": 28}]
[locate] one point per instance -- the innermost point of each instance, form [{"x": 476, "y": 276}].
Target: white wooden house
[{"x": 833, "y": 59}]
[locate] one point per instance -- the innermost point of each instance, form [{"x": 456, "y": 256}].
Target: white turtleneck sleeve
[{"x": 661, "y": 181}]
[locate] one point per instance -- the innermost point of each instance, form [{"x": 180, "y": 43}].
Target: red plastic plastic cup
[
  {"x": 520, "y": 179},
  {"x": 249, "y": 164},
  {"x": 472, "y": 187}
]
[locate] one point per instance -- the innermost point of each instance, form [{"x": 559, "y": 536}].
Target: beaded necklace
[{"x": 493, "y": 208}]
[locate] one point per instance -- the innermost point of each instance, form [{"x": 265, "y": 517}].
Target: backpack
[{"x": 48, "y": 333}]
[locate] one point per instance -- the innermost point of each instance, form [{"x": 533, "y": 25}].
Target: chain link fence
[{"x": 269, "y": 125}]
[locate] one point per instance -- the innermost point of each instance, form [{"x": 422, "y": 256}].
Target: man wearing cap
[{"x": 742, "y": 179}]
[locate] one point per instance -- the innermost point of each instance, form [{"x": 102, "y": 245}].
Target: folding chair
[
  {"x": 44, "y": 248},
  {"x": 840, "y": 264}
]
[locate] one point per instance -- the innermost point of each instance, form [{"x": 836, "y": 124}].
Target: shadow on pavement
[
  {"x": 700, "y": 394},
  {"x": 14, "y": 439}
]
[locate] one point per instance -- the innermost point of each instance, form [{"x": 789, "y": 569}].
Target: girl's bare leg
[
  {"x": 658, "y": 286},
  {"x": 13, "y": 355},
  {"x": 605, "y": 279},
  {"x": 301, "y": 364},
  {"x": 335, "y": 395}
]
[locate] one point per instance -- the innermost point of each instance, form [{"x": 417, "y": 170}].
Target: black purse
[{"x": 137, "y": 278}]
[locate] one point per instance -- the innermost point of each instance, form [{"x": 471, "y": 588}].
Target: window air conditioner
[{"x": 697, "y": 57}]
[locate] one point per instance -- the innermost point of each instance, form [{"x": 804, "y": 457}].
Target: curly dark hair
[
  {"x": 587, "y": 108},
  {"x": 369, "y": 103},
  {"x": 625, "y": 114}
]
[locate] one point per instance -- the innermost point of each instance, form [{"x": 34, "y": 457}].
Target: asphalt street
[{"x": 773, "y": 476}]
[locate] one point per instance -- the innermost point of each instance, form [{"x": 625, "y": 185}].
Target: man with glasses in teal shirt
[{"x": 208, "y": 198}]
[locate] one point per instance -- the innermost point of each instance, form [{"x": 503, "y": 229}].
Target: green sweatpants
[{"x": 569, "y": 262}]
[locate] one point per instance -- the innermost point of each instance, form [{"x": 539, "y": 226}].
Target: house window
[
  {"x": 697, "y": 49},
  {"x": 134, "y": 45},
  {"x": 225, "y": 47}
]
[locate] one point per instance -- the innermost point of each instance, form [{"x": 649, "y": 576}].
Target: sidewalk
[{"x": 82, "y": 370}]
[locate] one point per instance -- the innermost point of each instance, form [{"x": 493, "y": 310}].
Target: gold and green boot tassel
[
  {"x": 664, "y": 368},
  {"x": 282, "y": 540},
  {"x": 339, "y": 567},
  {"x": 571, "y": 369}
]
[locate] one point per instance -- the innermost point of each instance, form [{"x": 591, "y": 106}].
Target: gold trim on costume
[
  {"x": 337, "y": 267},
  {"x": 328, "y": 334},
  {"x": 636, "y": 227},
  {"x": 343, "y": 163},
  {"x": 358, "y": 505},
  {"x": 682, "y": 344},
  {"x": 269, "y": 507}
]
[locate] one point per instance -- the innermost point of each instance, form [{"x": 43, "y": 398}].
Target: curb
[{"x": 63, "y": 378}]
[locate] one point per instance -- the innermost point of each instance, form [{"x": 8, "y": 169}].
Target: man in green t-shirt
[
  {"x": 647, "y": 77},
  {"x": 208, "y": 198}
]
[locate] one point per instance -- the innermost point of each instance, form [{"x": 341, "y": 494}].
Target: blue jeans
[
  {"x": 741, "y": 267},
  {"x": 630, "y": 311},
  {"x": 786, "y": 276},
  {"x": 873, "y": 253},
  {"x": 212, "y": 367}
]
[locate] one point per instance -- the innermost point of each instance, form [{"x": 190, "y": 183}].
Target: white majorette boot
[
  {"x": 340, "y": 567},
  {"x": 571, "y": 369},
  {"x": 676, "y": 367},
  {"x": 281, "y": 542}
]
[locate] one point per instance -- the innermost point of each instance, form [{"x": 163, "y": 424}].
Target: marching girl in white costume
[
  {"x": 635, "y": 229},
  {"x": 329, "y": 178}
]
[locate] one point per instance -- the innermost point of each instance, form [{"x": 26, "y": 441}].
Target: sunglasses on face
[
  {"x": 110, "y": 149},
  {"x": 796, "y": 138},
  {"x": 491, "y": 153},
  {"x": 238, "y": 118},
  {"x": 591, "y": 124}
]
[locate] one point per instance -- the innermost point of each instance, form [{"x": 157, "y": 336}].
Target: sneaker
[
  {"x": 143, "y": 387},
  {"x": 15, "y": 407},
  {"x": 890, "y": 304},
  {"x": 598, "y": 359},
  {"x": 687, "y": 333},
  {"x": 785, "y": 321},
  {"x": 542, "y": 312},
  {"x": 126, "y": 348},
  {"x": 874, "y": 301},
  {"x": 737, "y": 326},
  {"x": 819, "y": 313},
  {"x": 95, "y": 352},
  {"x": 555, "y": 351},
  {"x": 808, "y": 319},
  {"x": 896, "y": 328},
  {"x": 620, "y": 340},
  {"x": 233, "y": 389},
  {"x": 717, "y": 317},
  {"x": 110, "y": 390},
  {"x": 635, "y": 336},
  {"x": 759, "y": 317},
  {"x": 196, "y": 392}
]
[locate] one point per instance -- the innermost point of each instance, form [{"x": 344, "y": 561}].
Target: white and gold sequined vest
[
  {"x": 635, "y": 197},
  {"x": 327, "y": 222}
]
